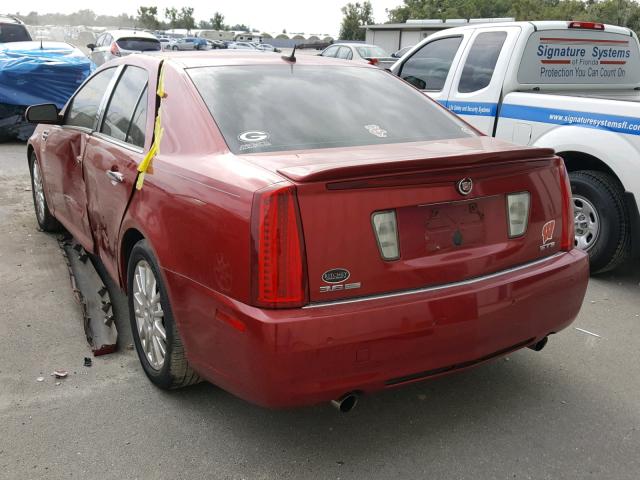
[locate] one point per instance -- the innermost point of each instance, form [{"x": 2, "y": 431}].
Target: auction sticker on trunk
[{"x": 580, "y": 57}]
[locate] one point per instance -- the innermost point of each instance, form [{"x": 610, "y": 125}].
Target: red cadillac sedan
[{"x": 305, "y": 230}]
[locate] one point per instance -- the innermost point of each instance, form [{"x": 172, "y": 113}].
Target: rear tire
[
  {"x": 601, "y": 219},
  {"x": 169, "y": 369},
  {"x": 46, "y": 221}
]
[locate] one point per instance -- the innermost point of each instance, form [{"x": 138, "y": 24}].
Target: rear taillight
[
  {"x": 385, "y": 226},
  {"x": 568, "y": 234},
  {"x": 279, "y": 266},
  {"x": 587, "y": 25},
  {"x": 115, "y": 50},
  {"x": 518, "y": 213},
  {"x": 373, "y": 61}
]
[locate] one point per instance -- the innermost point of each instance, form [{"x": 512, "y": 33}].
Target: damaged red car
[{"x": 308, "y": 229}]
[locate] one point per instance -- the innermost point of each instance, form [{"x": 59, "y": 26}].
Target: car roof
[
  {"x": 10, "y": 19},
  {"x": 215, "y": 58},
  {"x": 130, "y": 33}
]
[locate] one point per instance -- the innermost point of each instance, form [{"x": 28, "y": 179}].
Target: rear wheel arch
[{"x": 129, "y": 240}]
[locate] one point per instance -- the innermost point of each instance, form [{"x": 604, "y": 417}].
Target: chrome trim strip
[{"x": 471, "y": 281}]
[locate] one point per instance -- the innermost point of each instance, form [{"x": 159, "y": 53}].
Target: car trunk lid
[{"x": 444, "y": 236}]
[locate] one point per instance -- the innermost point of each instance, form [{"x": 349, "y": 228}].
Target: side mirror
[
  {"x": 44, "y": 113},
  {"x": 91, "y": 46}
]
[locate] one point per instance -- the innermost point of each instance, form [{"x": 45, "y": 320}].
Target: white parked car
[
  {"x": 569, "y": 86},
  {"x": 119, "y": 43},
  {"x": 360, "y": 52},
  {"x": 242, "y": 46}
]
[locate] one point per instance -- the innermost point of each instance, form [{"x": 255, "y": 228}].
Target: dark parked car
[
  {"x": 341, "y": 235},
  {"x": 13, "y": 30}
]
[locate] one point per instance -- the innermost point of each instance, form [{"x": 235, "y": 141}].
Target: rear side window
[
  {"x": 10, "y": 32},
  {"x": 481, "y": 61},
  {"x": 312, "y": 107},
  {"x": 129, "y": 94},
  {"x": 371, "y": 52},
  {"x": 139, "y": 44},
  {"x": 344, "y": 53},
  {"x": 427, "y": 69},
  {"x": 83, "y": 109}
]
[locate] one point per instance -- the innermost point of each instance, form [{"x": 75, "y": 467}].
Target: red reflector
[
  {"x": 279, "y": 265},
  {"x": 568, "y": 235},
  {"x": 115, "y": 50},
  {"x": 587, "y": 25}
]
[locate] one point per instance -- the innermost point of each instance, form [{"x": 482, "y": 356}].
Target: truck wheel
[
  {"x": 46, "y": 221},
  {"x": 154, "y": 331},
  {"x": 601, "y": 219}
]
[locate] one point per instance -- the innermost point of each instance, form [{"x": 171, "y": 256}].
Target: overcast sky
[{"x": 307, "y": 16}]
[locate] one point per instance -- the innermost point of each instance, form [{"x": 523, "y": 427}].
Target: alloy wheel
[
  {"x": 38, "y": 192},
  {"x": 149, "y": 315}
]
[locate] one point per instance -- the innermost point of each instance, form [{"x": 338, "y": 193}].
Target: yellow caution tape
[{"x": 157, "y": 135}]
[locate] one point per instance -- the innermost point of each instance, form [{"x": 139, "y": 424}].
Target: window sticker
[
  {"x": 253, "y": 139},
  {"x": 376, "y": 130}
]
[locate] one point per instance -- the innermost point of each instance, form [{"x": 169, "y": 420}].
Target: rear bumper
[{"x": 280, "y": 358}]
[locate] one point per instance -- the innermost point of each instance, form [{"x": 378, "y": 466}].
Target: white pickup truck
[{"x": 570, "y": 86}]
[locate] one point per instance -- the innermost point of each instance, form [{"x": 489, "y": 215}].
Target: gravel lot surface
[{"x": 571, "y": 411}]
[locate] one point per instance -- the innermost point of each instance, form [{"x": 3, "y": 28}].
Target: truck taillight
[
  {"x": 115, "y": 50},
  {"x": 279, "y": 265},
  {"x": 587, "y": 25},
  {"x": 568, "y": 235}
]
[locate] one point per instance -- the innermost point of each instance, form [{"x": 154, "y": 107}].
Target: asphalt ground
[{"x": 571, "y": 411}]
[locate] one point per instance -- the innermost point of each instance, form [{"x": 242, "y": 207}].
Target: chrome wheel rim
[
  {"x": 149, "y": 315},
  {"x": 38, "y": 192},
  {"x": 586, "y": 222}
]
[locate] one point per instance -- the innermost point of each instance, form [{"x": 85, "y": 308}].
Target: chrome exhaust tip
[
  {"x": 536, "y": 347},
  {"x": 346, "y": 403}
]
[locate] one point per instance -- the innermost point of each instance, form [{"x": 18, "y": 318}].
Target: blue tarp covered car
[{"x": 36, "y": 72}]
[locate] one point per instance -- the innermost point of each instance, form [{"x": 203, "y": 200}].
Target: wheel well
[
  {"x": 130, "y": 238},
  {"x": 575, "y": 161},
  {"x": 29, "y": 152}
]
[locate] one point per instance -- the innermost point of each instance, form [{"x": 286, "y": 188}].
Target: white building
[{"x": 394, "y": 36}]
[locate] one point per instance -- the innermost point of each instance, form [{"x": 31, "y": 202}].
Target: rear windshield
[
  {"x": 585, "y": 57},
  {"x": 277, "y": 108},
  {"x": 139, "y": 44},
  {"x": 371, "y": 52},
  {"x": 13, "y": 33}
]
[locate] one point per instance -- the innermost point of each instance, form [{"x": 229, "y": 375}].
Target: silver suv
[{"x": 119, "y": 43}]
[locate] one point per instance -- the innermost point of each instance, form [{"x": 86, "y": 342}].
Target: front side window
[
  {"x": 83, "y": 109},
  {"x": 427, "y": 69},
  {"x": 481, "y": 61},
  {"x": 312, "y": 107},
  {"x": 127, "y": 96}
]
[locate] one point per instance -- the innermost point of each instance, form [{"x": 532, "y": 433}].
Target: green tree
[
  {"x": 148, "y": 17},
  {"x": 355, "y": 15},
  {"x": 171, "y": 14},
  {"x": 186, "y": 19},
  {"x": 217, "y": 22}
]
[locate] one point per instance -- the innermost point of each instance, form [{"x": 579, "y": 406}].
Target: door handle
[{"x": 115, "y": 177}]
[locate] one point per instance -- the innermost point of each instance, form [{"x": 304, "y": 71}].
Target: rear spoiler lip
[{"x": 341, "y": 171}]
